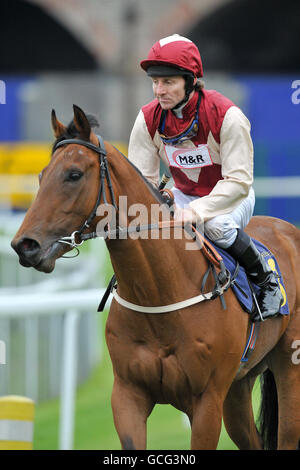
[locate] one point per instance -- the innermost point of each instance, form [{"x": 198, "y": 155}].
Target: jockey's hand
[{"x": 186, "y": 215}]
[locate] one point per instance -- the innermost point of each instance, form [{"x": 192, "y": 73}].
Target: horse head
[{"x": 68, "y": 189}]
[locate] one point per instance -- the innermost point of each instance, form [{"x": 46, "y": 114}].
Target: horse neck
[{"x": 143, "y": 266}]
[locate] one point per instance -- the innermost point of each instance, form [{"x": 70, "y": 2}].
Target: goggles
[{"x": 188, "y": 133}]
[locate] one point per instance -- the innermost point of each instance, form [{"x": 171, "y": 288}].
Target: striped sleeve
[
  {"x": 236, "y": 155},
  {"x": 142, "y": 151}
]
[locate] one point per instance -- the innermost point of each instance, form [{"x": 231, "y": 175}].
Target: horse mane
[{"x": 154, "y": 191}]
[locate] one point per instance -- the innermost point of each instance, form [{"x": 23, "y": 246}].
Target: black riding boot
[{"x": 260, "y": 273}]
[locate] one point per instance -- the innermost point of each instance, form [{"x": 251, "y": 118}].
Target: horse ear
[
  {"x": 58, "y": 128},
  {"x": 81, "y": 123}
]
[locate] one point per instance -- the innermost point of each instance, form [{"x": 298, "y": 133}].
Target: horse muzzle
[
  {"x": 29, "y": 251},
  {"x": 32, "y": 254}
]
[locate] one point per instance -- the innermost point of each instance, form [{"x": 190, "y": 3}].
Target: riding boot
[{"x": 260, "y": 273}]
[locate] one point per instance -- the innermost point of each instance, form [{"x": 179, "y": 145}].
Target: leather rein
[{"x": 78, "y": 237}]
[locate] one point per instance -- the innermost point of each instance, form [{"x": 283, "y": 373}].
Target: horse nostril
[{"x": 27, "y": 247}]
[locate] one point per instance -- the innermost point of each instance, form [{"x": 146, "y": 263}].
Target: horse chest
[
  {"x": 165, "y": 374},
  {"x": 170, "y": 367},
  {"x": 160, "y": 373}
]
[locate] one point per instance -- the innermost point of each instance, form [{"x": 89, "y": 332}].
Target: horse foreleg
[
  {"x": 131, "y": 408},
  {"x": 238, "y": 415},
  {"x": 206, "y": 421}
]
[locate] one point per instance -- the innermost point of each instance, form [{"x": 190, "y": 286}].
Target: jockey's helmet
[{"x": 173, "y": 55}]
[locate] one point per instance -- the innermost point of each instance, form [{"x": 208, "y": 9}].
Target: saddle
[{"x": 246, "y": 291}]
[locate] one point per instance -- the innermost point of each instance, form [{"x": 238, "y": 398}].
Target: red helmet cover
[{"x": 177, "y": 51}]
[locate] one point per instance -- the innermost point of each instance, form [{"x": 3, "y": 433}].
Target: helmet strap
[{"x": 189, "y": 87}]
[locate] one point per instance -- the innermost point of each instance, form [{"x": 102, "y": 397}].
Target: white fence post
[
  {"x": 31, "y": 358},
  {"x": 68, "y": 380}
]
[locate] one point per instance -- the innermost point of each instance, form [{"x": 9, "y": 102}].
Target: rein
[{"x": 223, "y": 278}]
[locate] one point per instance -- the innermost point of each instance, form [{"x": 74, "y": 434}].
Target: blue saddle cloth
[{"x": 244, "y": 294}]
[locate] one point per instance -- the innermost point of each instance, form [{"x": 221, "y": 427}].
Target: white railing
[
  {"x": 72, "y": 305},
  {"x": 67, "y": 301}
]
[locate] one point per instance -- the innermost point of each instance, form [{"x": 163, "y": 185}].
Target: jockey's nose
[
  {"x": 28, "y": 249},
  {"x": 160, "y": 88}
]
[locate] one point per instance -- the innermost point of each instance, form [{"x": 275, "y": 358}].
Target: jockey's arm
[
  {"x": 142, "y": 151},
  {"x": 236, "y": 156}
]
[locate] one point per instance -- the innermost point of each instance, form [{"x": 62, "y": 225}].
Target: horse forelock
[{"x": 72, "y": 132}]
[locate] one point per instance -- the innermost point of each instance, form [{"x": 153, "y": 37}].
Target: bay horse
[{"x": 189, "y": 357}]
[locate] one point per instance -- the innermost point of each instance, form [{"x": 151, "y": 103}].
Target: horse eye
[{"x": 74, "y": 175}]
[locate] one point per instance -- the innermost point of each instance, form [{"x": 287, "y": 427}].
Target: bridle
[
  {"x": 223, "y": 280},
  {"x": 77, "y": 238}
]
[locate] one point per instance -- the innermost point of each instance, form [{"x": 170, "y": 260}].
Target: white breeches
[{"x": 222, "y": 229}]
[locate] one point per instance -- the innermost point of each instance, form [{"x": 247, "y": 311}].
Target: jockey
[{"x": 205, "y": 141}]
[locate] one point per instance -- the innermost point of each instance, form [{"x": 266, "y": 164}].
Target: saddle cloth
[{"x": 241, "y": 285}]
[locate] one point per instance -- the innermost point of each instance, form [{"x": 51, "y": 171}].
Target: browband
[{"x": 99, "y": 149}]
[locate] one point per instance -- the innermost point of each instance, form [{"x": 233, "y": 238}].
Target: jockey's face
[{"x": 169, "y": 90}]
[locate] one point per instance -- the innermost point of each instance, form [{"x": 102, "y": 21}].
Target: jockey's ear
[
  {"x": 81, "y": 123},
  {"x": 58, "y": 128}
]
